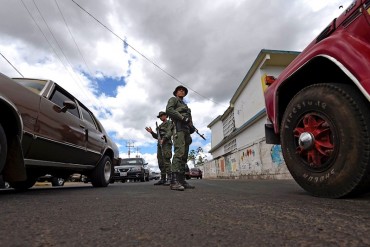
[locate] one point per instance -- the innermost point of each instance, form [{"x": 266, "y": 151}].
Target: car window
[
  {"x": 58, "y": 97},
  {"x": 87, "y": 116},
  {"x": 132, "y": 161},
  {"x": 35, "y": 86}
]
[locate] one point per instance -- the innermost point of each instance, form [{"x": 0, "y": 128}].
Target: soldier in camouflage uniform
[
  {"x": 164, "y": 151},
  {"x": 180, "y": 114}
]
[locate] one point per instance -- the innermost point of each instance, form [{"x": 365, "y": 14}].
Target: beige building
[{"x": 238, "y": 138}]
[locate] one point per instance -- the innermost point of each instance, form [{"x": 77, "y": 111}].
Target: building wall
[
  {"x": 256, "y": 161},
  {"x": 250, "y": 101},
  {"x": 252, "y": 158},
  {"x": 217, "y": 133},
  {"x": 254, "y": 132}
]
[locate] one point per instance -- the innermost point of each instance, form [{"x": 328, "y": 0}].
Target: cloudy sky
[{"x": 123, "y": 58}]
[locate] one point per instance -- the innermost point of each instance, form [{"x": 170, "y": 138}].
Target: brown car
[
  {"x": 45, "y": 130},
  {"x": 196, "y": 173}
]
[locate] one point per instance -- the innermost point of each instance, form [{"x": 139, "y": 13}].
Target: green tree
[
  {"x": 197, "y": 156},
  {"x": 192, "y": 156}
]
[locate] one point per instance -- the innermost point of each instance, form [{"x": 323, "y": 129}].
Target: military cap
[
  {"x": 161, "y": 113},
  {"x": 178, "y": 87}
]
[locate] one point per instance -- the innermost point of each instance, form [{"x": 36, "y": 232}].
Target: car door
[
  {"x": 60, "y": 136},
  {"x": 95, "y": 137}
]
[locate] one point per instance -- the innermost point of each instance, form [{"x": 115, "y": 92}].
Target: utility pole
[
  {"x": 137, "y": 152},
  {"x": 129, "y": 145}
]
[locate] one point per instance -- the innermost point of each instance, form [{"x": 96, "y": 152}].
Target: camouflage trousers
[
  {"x": 181, "y": 143},
  {"x": 164, "y": 162}
]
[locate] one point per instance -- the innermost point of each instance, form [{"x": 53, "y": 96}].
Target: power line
[
  {"x": 11, "y": 64},
  {"x": 74, "y": 40},
  {"x": 55, "y": 52},
  {"x": 145, "y": 57}
]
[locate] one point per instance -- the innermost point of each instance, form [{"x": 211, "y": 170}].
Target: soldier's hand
[{"x": 149, "y": 129}]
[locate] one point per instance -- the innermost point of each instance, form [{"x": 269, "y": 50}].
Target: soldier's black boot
[
  {"x": 175, "y": 185},
  {"x": 162, "y": 180},
  {"x": 168, "y": 180},
  {"x": 184, "y": 183}
]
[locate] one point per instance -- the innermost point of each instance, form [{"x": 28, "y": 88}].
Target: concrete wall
[
  {"x": 217, "y": 133},
  {"x": 250, "y": 101},
  {"x": 255, "y": 161}
]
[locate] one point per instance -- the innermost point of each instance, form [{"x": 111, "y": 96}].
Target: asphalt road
[{"x": 216, "y": 213}]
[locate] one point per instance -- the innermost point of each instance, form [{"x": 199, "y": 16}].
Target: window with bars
[
  {"x": 228, "y": 124},
  {"x": 230, "y": 146}
]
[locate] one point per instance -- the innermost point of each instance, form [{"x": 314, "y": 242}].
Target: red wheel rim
[{"x": 322, "y": 147}]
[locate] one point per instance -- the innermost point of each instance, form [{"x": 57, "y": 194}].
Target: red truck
[{"x": 318, "y": 108}]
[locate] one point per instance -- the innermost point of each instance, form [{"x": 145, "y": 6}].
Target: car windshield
[
  {"x": 35, "y": 86},
  {"x": 132, "y": 162}
]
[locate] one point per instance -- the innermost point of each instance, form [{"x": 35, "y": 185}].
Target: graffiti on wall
[
  {"x": 249, "y": 158},
  {"x": 231, "y": 164},
  {"x": 221, "y": 163},
  {"x": 276, "y": 155}
]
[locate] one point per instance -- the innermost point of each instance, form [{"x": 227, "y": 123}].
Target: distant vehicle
[
  {"x": 319, "y": 108},
  {"x": 196, "y": 173},
  {"x": 187, "y": 172},
  {"x": 55, "y": 181},
  {"x": 46, "y": 130},
  {"x": 76, "y": 177},
  {"x": 154, "y": 176},
  {"x": 131, "y": 168}
]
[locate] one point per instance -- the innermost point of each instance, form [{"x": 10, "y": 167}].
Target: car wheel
[
  {"x": 187, "y": 177},
  {"x": 3, "y": 148},
  {"x": 325, "y": 138},
  {"x": 102, "y": 173},
  {"x": 23, "y": 185},
  {"x": 55, "y": 181}
]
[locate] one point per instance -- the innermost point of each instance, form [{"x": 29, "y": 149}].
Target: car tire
[
  {"x": 102, "y": 173},
  {"x": 325, "y": 138},
  {"x": 23, "y": 185},
  {"x": 55, "y": 181},
  {"x": 3, "y": 148},
  {"x": 142, "y": 178}
]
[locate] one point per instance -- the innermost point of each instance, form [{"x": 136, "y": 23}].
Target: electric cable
[
  {"x": 141, "y": 54},
  {"x": 74, "y": 40},
  {"x": 11, "y": 64}
]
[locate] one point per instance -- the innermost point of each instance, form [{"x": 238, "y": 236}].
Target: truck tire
[
  {"x": 102, "y": 173},
  {"x": 325, "y": 138}
]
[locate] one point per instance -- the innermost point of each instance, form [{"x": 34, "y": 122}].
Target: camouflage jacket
[
  {"x": 165, "y": 131},
  {"x": 177, "y": 110}
]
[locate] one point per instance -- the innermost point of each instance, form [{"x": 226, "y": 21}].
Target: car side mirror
[{"x": 68, "y": 104}]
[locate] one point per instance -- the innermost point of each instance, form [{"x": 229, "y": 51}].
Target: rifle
[
  {"x": 196, "y": 131},
  {"x": 159, "y": 141}
]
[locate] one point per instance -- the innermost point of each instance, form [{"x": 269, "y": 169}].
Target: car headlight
[{"x": 134, "y": 169}]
